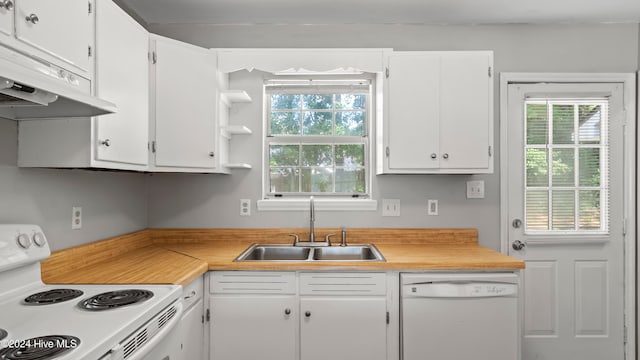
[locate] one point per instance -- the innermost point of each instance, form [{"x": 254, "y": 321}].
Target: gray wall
[
  {"x": 112, "y": 203},
  {"x": 181, "y": 200}
]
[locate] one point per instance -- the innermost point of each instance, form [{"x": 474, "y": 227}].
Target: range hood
[{"x": 30, "y": 89}]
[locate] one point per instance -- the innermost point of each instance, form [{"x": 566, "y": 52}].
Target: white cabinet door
[
  {"x": 253, "y": 327},
  {"x": 192, "y": 333},
  {"x": 343, "y": 328},
  {"x": 439, "y": 112},
  {"x": 6, "y": 21},
  {"x": 413, "y": 98},
  {"x": 465, "y": 110},
  {"x": 122, "y": 72},
  {"x": 62, "y": 29},
  {"x": 185, "y": 105}
]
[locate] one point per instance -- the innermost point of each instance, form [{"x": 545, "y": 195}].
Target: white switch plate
[
  {"x": 390, "y": 207},
  {"x": 475, "y": 189},
  {"x": 245, "y": 207},
  {"x": 432, "y": 207},
  {"x": 76, "y": 217}
]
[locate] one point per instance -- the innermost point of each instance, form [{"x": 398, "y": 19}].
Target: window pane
[
  {"x": 563, "y": 209},
  {"x": 350, "y": 181},
  {"x": 285, "y": 101},
  {"x": 317, "y": 123},
  {"x": 350, "y": 156},
  {"x": 537, "y": 210},
  {"x": 537, "y": 124},
  {"x": 563, "y": 120},
  {"x": 589, "y": 210},
  {"x": 590, "y": 118},
  {"x": 284, "y": 180},
  {"x": 317, "y": 155},
  {"x": 317, "y": 101},
  {"x": 316, "y": 180},
  {"x": 537, "y": 167},
  {"x": 589, "y": 166},
  {"x": 284, "y": 155},
  {"x": 285, "y": 123},
  {"x": 563, "y": 168},
  {"x": 350, "y": 123},
  {"x": 350, "y": 101}
]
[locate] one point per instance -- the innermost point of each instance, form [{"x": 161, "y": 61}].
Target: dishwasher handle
[{"x": 460, "y": 289}]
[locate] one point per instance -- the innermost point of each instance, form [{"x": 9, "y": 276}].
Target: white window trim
[
  {"x": 321, "y": 204},
  {"x": 629, "y": 103}
]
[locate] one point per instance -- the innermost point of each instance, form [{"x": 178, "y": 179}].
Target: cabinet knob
[
  {"x": 445, "y": 156},
  {"x": 434, "y": 156},
  {"x": 7, "y": 4},
  {"x": 212, "y": 154},
  {"x": 307, "y": 313},
  {"x": 106, "y": 142},
  {"x": 287, "y": 311},
  {"x": 33, "y": 18}
]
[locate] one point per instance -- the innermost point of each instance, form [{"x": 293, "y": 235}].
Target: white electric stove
[{"x": 78, "y": 322}]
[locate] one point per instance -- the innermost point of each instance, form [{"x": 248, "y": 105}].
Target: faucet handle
[
  {"x": 296, "y": 239},
  {"x": 327, "y": 239}
]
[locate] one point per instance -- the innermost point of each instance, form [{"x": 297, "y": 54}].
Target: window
[
  {"x": 566, "y": 166},
  {"x": 317, "y": 137}
]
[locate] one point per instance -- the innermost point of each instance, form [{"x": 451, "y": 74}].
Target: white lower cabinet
[
  {"x": 192, "y": 322},
  {"x": 290, "y": 315}
]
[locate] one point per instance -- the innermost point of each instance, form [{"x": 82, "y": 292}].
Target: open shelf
[{"x": 234, "y": 96}]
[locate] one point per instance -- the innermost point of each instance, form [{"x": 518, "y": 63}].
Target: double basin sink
[{"x": 277, "y": 252}]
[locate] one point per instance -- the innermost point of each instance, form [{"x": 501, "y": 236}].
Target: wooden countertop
[{"x": 178, "y": 256}]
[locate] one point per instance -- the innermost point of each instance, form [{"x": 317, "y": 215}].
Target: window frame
[{"x": 322, "y": 84}]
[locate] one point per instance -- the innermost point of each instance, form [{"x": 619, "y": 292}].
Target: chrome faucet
[{"x": 312, "y": 220}]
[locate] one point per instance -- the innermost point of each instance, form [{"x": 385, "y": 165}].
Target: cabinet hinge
[
  {"x": 386, "y": 151},
  {"x": 489, "y": 150},
  {"x": 489, "y": 71},
  {"x": 387, "y": 317},
  {"x": 154, "y": 57},
  {"x": 90, "y": 10},
  {"x": 386, "y": 72},
  {"x": 208, "y": 316},
  {"x": 153, "y": 146},
  {"x": 625, "y": 335},
  {"x": 90, "y": 50},
  {"x": 202, "y": 319},
  {"x": 624, "y": 227}
]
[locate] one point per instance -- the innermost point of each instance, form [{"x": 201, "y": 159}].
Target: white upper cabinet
[
  {"x": 438, "y": 113},
  {"x": 122, "y": 77},
  {"x": 184, "y": 107},
  {"x": 62, "y": 29},
  {"x": 6, "y": 18}
]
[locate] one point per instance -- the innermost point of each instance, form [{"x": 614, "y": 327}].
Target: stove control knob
[
  {"x": 38, "y": 239},
  {"x": 24, "y": 241}
]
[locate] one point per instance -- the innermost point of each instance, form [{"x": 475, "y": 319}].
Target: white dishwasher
[{"x": 459, "y": 316}]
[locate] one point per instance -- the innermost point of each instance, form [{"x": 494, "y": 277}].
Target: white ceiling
[{"x": 384, "y": 11}]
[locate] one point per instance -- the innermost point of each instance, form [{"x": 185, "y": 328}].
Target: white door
[
  {"x": 60, "y": 28},
  {"x": 122, "y": 73},
  {"x": 343, "y": 328},
  {"x": 566, "y": 205}
]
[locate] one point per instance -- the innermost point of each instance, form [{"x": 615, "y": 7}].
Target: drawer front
[
  {"x": 192, "y": 292},
  {"x": 336, "y": 283},
  {"x": 252, "y": 282}
]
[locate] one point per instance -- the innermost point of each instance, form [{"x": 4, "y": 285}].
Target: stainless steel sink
[
  {"x": 348, "y": 253},
  {"x": 278, "y": 252}
]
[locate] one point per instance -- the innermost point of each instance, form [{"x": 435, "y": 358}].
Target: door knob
[{"x": 518, "y": 245}]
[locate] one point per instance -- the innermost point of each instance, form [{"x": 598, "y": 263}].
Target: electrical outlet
[
  {"x": 390, "y": 207},
  {"x": 245, "y": 207},
  {"x": 76, "y": 217},
  {"x": 432, "y": 207},
  {"x": 475, "y": 189}
]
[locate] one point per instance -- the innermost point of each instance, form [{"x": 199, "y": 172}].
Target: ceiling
[{"x": 383, "y": 11}]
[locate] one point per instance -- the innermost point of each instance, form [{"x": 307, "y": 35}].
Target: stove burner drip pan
[
  {"x": 40, "y": 348},
  {"x": 52, "y": 296},
  {"x": 115, "y": 299}
]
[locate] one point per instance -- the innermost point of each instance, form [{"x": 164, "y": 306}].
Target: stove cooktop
[
  {"x": 40, "y": 348},
  {"x": 52, "y": 296},
  {"x": 115, "y": 299}
]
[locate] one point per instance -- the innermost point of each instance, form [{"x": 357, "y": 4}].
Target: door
[
  {"x": 122, "y": 72},
  {"x": 343, "y": 328},
  {"x": 253, "y": 327},
  {"x": 60, "y": 28},
  {"x": 566, "y": 207},
  {"x": 192, "y": 332},
  {"x": 185, "y": 105}
]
